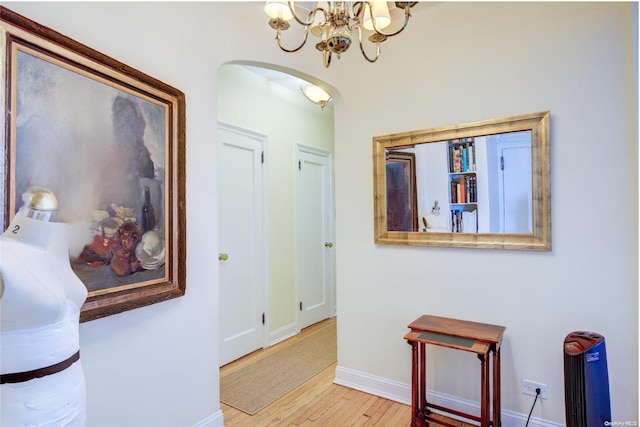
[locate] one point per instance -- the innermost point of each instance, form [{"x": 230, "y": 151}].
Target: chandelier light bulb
[
  {"x": 381, "y": 16},
  {"x": 278, "y": 9},
  {"x": 320, "y": 25}
]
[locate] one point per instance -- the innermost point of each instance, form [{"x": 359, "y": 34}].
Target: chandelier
[{"x": 335, "y": 21}]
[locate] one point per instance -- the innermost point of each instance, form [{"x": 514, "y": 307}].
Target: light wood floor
[{"x": 318, "y": 401}]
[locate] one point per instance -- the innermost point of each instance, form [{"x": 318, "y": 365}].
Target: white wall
[
  {"x": 472, "y": 61},
  {"x": 456, "y": 62},
  {"x": 287, "y": 118}
]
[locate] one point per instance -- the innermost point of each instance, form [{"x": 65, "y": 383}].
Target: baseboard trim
[
  {"x": 282, "y": 334},
  {"x": 215, "y": 420},
  {"x": 378, "y": 386},
  {"x": 401, "y": 392}
]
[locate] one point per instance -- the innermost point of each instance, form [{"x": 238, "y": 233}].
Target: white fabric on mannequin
[{"x": 39, "y": 313}]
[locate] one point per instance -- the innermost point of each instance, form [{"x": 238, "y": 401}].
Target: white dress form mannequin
[
  {"x": 435, "y": 221},
  {"x": 39, "y": 316}
]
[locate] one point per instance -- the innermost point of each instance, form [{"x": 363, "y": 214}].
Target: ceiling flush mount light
[
  {"x": 334, "y": 22},
  {"x": 316, "y": 95}
]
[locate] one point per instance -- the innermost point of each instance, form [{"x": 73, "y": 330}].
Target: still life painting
[{"x": 108, "y": 145}]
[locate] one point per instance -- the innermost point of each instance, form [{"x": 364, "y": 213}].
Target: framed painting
[{"x": 109, "y": 142}]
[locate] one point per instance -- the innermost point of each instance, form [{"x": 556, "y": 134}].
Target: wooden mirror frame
[{"x": 538, "y": 240}]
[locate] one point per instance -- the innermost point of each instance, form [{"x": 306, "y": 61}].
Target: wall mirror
[{"x": 484, "y": 184}]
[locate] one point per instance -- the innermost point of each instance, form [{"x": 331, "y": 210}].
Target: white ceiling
[{"x": 283, "y": 79}]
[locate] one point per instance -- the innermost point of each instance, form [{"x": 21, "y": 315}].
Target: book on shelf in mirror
[
  {"x": 464, "y": 189},
  {"x": 462, "y": 155},
  {"x": 464, "y": 221}
]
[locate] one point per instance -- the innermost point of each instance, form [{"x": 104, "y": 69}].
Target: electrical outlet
[{"x": 529, "y": 387}]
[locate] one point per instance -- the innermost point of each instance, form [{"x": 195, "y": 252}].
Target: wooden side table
[{"x": 479, "y": 338}]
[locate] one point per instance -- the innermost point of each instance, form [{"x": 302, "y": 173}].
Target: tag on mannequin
[{"x": 29, "y": 231}]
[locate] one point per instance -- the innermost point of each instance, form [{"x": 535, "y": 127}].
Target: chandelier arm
[
  {"x": 365, "y": 53},
  {"x": 310, "y": 16},
  {"x": 306, "y": 35}
]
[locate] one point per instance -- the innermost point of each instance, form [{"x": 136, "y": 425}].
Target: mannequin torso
[
  {"x": 438, "y": 222},
  {"x": 37, "y": 279},
  {"x": 39, "y": 313}
]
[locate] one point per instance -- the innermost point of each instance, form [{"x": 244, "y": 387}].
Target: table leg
[
  {"x": 423, "y": 379},
  {"x": 497, "y": 422},
  {"x": 484, "y": 390},
  {"x": 414, "y": 383}
]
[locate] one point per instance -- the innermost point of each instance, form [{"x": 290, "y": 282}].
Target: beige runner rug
[{"x": 258, "y": 385}]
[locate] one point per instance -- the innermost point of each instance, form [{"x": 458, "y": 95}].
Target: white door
[
  {"x": 517, "y": 209},
  {"x": 314, "y": 235},
  {"x": 241, "y": 257}
]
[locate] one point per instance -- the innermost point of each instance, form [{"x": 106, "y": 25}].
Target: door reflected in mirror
[{"x": 483, "y": 184}]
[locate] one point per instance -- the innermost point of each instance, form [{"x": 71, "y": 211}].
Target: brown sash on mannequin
[{"x": 20, "y": 377}]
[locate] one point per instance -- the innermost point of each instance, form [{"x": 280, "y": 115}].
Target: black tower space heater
[{"x": 586, "y": 381}]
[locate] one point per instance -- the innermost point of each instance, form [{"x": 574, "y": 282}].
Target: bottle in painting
[{"x": 148, "y": 219}]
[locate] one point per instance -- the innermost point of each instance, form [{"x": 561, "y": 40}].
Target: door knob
[
  {"x": 223, "y": 257},
  {"x": 328, "y": 244}
]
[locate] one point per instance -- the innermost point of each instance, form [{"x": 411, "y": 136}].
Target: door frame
[
  {"x": 301, "y": 148},
  {"x": 264, "y": 140}
]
